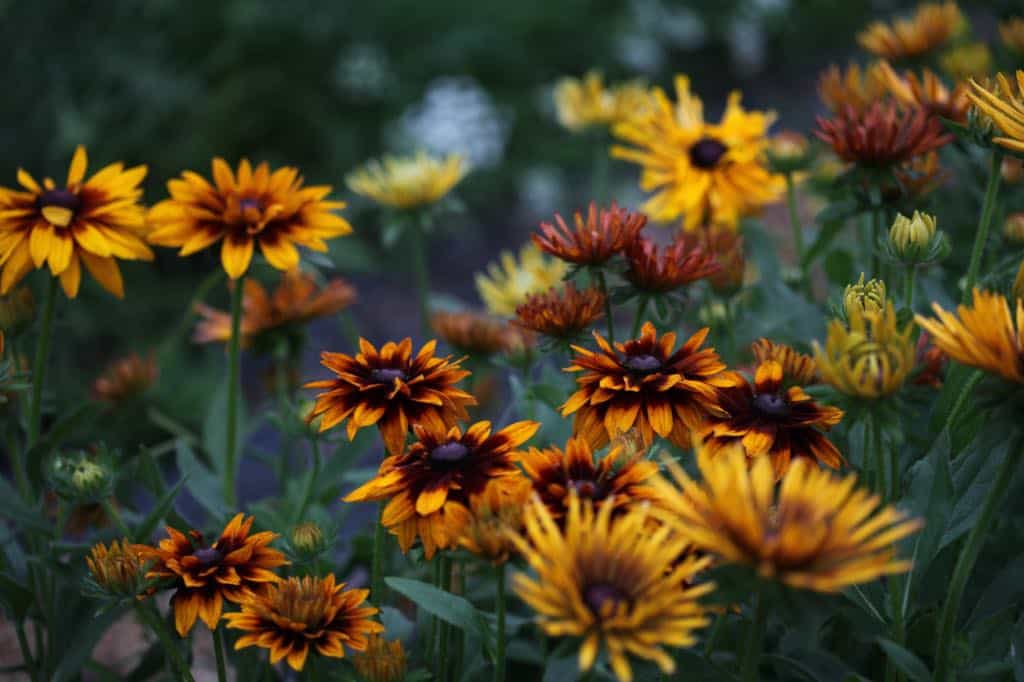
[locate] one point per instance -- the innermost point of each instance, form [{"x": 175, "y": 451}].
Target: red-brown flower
[
  {"x": 931, "y": 363},
  {"x": 883, "y": 135},
  {"x": 234, "y": 567},
  {"x": 774, "y": 421},
  {"x": 478, "y": 333},
  {"x": 562, "y": 313},
  {"x": 620, "y": 477},
  {"x": 392, "y": 389},
  {"x": 645, "y": 385},
  {"x": 430, "y": 485},
  {"x": 658, "y": 270},
  {"x": 592, "y": 241},
  {"x": 125, "y": 379},
  {"x": 727, "y": 248}
]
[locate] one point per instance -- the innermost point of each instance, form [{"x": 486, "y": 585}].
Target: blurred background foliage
[{"x": 325, "y": 86}]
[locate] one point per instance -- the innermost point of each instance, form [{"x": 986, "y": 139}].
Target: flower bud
[
  {"x": 1018, "y": 283},
  {"x": 88, "y": 477},
  {"x": 864, "y": 296},
  {"x": 381, "y": 661},
  {"x": 17, "y": 310},
  {"x": 788, "y": 151},
  {"x": 911, "y": 238},
  {"x": 1013, "y": 228},
  {"x": 80, "y": 478},
  {"x": 1012, "y": 170},
  {"x": 118, "y": 570},
  {"x": 307, "y": 539}
]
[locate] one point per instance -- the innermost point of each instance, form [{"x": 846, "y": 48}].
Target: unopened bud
[
  {"x": 1013, "y": 228},
  {"x": 865, "y": 296}
]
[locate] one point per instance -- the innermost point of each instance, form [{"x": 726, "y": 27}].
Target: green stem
[
  {"x": 499, "y": 657},
  {"x": 603, "y": 286},
  {"x": 874, "y": 443},
  {"x": 446, "y": 578},
  {"x": 968, "y": 555},
  {"x": 313, "y": 668},
  {"x": 877, "y": 220},
  {"x": 181, "y": 328},
  {"x": 898, "y": 629},
  {"x": 154, "y": 622},
  {"x": 422, "y": 274},
  {"x": 641, "y": 308},
  {"x": 35, "y": 413},
  {"x": 376, "y": 567},
  {"x": 311, "y": 480},
  {"x": 987, "y": 209},
  {"x": 908, "y": 287},
  {"x": 716, "y": 631},
  {"x": 26, "y": 652},
  {"x": 961, "y": 400},
  {"x": 115, "y": 517},
  {"x": 755, "y": 640},
  {"x": 348, "y": 328},
  {"x": 798, "y": 228},
  {"x": 231, "y": 428},
  {"x": 218, "y": 649}
]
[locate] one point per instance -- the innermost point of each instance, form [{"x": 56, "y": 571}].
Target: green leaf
[
  {"x": 215, "y": 427},
  {"x": 16, "y": 599},
  {"x": 1002, "y": 592},
  {"x": 830, "y": 229},
  {"x": 82, "y": 643},
  {"x": 27, "y": 518},
  {"x": 160, "y": 509},
  {"x": 839, "y": 267},
  {"x": 450, "y": 608},
  {"x": 906, "y": 661},
  {"x": 203, "y": 484},
  {"x": 931, "y": 497}
]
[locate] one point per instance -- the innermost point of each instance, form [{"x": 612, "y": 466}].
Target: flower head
[
  {"x": 235, "y": 566},
  {"x": 911, "y": 239},
  {"x": 931, "y": 363},
  {"x": 647, "y": 385},
  {"x": 392, "y": 389},
  {"x": 854, "y": 88},
  {"x": 496, "y": 513},
  {"x": 927, "y": 92},
  {"x": 382, "y": 661},
  {"x": 126, "y": 379},
  {"x": 814, "y": 531},
  {"x": 592, "y": 240},
  {"x": 1011, "y": 32},
  {"x": 869, "y": 359},
  {"x": 1004, "y": 106},
  {"x": 620, "y": 478},
  {"x": 1011, "y": 170},
  {"x": 981, "y": 335},
  {"x": 562, "y": 313},
  {"x": 797, "y": 368},
  {"x": 972, "y": 60},
  {"x": 655, "y": 269},
  {"x": 884, "y": 134},
  {"x": 296, "y": 300},
  {"x": 307, "y": 539},
  {"x": 931, "y": 26},
  {"x": 408, "y": 181},
  {"x": 243, "y": 209},
  {"x": 864, "y": 296},
  {"x": 92, "y": 222},
  {"x": 430, "y": 485},
  {"x": 118, "y": 570},
  {"x": 507, "y": 284},
  {"x": 585, "y": 102},
  {"x": 614, "y": 583},
  {"x": 783, "y": 424},
  {"x": 299, "y": 616},
  {"x": 703, "y": 172},
  {"x": 727, "y": 248},
  {"x": 477, "y": 334}
]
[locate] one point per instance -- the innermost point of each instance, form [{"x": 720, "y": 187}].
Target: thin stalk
[
  {"x": 459, "y": 588},
  {"x": 899, "y": 635},
  {"x": 716, "y": 631},
  {"x": 35, "y": 411},
  {"x": 641, "y": 308},
  {"x": 987, "y": 209},
  {"x": 376, "y": 567},
  {"x": 154, "y": 622},
  {"x": 435, "y": 622},
  {"x": 961, "y": 399},
  {"x": 603, "y": 286},
  {"x": 311, "y": 480},
  {"x": 231, "y": 428},
  {"x": 499, "y": 657},
  {"x": 422, "y": 274},
  {"x": 348, "y": 327},
  {"x": 755, "y": 640},
  {"x": 968, "y": 555},
  {"x": 26, "y": 652},
  {"x": 877, "y": 220},
  {"x": 115, "y": 517},
  {"x": 798, "y": 228},
  {"x": 874, "y": 443},
  {"x": 282, "y": 393},
  {"x": 183, "y": 325},
  {"x": 313, "y": 665},
  {"x": 218, "y": 649},
  {"x": 908, "y": 286}
]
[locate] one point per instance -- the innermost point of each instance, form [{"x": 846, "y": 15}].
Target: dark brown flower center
[
  {"x": 58, "y": 206},
  {"x": 706, "y": 152},
  {"x": 387, "y": 375},
  {"x": 250, "y": 204},
  {"x": 449, "y": 452},
  {"x": 208, "y": 556},
  {"x": 642, "y": 364},
  {"x": 597, "y": 595},
  {"x": 585, "y": 489},
  {"x": 771, "y": 405}
]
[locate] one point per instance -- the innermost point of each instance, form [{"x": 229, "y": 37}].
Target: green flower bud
[
  {"x": 911, "y": 238},
  {"x": 307, "y": 540},
  {"x": 865, "y": 297},
  {"x": 1013, "y": 228}
]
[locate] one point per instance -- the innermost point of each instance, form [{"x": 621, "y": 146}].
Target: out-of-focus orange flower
[
  {"x": 475, "y": 333},
  {"x": 295, "y": 301},
  {"x": 562, "y": 313},
  {"x": 855, "y": 87},
  {"x": 125, "y": 378},
  {"x": 918, "y": 177},
  {"x": 592, "y": 240},
  {"x": 927, "y": 91},
  {"x": 883, "y": 135},
  {"x": 931, "y": 363},
  {"x": 931, "y": 26},
  {"x": 727, "y": 248},
  {"x": 655, "y": 269}
]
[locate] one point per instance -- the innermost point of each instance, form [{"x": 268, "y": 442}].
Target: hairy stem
[{"x": 231, "y": 428}]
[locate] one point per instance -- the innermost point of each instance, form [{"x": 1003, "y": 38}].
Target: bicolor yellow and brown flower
[
  {"x": 562, "y": 313},
  {"x": 593, "y": 240},
  {"x": 507, "y": 283},
  {"x": 930, "y": 27}
]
